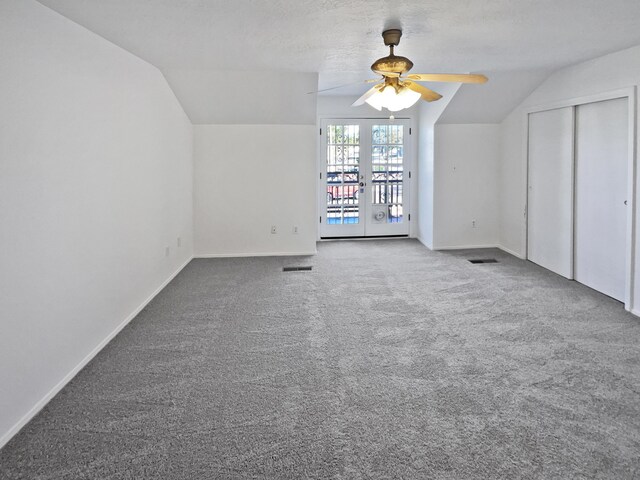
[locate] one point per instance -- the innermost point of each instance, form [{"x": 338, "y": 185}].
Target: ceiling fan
[{"x": 397, "y": 89}]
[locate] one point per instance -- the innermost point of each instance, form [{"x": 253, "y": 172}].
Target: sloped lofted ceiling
[
  {"x": 493, "y": 101},
  {"x": 340, "y": 39}
]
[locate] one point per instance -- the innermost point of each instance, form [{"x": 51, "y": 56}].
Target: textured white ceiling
[{"x": 340, "y": 39}]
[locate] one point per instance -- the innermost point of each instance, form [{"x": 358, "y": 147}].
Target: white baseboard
[
  {"x": 464, "y": 247},
  {"x": 511, "y": 252},
  {"x": 263, "y": 254},
  {"x": 52, "y": 393}
]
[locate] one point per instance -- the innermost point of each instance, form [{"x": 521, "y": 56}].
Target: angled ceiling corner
[
  {"x": 430, "y": 112},
  {"x": 213, "y": 97},
  {"x": 494, "y": 100}
]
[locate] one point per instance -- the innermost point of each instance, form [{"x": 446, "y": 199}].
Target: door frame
[
  {"x": 409, "y": 162},
  {"x": 632, "y": 145}
]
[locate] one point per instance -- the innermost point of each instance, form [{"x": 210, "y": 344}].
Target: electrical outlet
[
  {"x": 473, "y": 224},
  {"x": 295, "y": 229},
  {"x": 274, "y": 230},
  {"x": 179, "y": 242},
  {"x": 166, "y": 251}
]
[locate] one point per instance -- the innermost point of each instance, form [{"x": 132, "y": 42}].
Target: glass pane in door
[
  {"x": 387, "y": 157},
  {"x": 343, "y": 172}
]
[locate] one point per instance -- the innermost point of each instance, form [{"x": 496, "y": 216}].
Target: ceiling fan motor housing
[{"x": 392, "y": 63}]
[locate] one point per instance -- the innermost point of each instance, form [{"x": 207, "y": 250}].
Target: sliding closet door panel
[
  {"x": 550, "y": 195},
  {"x": 601, "y": 192}
]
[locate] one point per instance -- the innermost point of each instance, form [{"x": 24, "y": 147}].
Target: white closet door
[
  {"x": 601, "y": 191},
  {"x": 550, "y": 196}
]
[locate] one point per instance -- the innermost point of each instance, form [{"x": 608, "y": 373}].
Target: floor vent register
[{"x": 297, "y": 269}]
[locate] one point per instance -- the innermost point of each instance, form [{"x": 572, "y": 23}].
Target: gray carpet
[{"x": 386, "y": 361}]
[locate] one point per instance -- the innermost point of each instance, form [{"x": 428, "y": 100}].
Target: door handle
[
  {"x": 625, "y": 202},
  {"x": 362, "y": 184}
]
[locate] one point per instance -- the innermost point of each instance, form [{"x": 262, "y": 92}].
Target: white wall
[
  {"x": 251, "y": 176},
  {"x": 466, "y": 185},
  {"x": 425, "y": 186},
  {"x": 95, "y": 183},
  {"x": 428, "y": 115},
  {"x": 603, "y": 74},
  {"x": 512, "y": 185},
  {"x": 248, "y": 178}
]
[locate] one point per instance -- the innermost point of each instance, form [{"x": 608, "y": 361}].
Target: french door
[{"x": 364, "y": 178}]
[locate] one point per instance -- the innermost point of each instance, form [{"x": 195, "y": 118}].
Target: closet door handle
[{"x": 625, "y": 202}]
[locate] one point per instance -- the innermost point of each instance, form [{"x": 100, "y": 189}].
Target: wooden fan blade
[
  {"x": 427, "y": 94},
  {"x": 367, "y": 94},
  {"x": 339, "y": 86},
  {"x": 448, "y": 77}
]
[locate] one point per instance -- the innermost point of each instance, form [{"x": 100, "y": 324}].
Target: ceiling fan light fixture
[
  {"x": 393, "y": 100},
  {"x": 407, "y": 97},
  {"x": 376, "y": 100}
]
